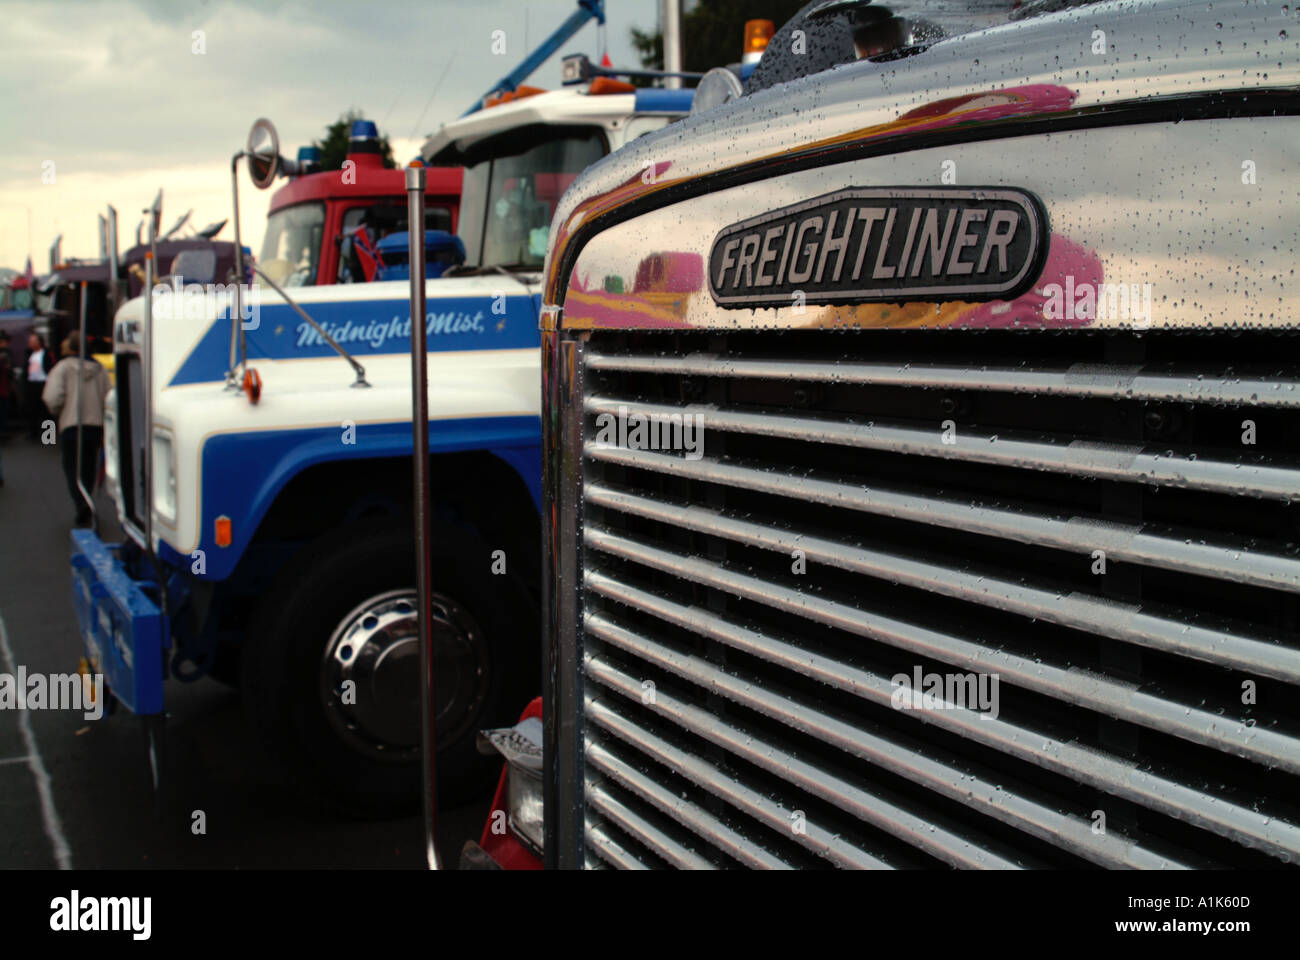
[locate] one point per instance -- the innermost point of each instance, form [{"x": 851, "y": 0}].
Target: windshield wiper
[{"x": 356, "y": 366}]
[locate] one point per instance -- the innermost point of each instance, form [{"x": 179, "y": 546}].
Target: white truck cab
[{"x": 272, "y": 547}]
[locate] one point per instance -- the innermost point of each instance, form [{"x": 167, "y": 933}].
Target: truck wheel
[{"x": 331, "y": 673}]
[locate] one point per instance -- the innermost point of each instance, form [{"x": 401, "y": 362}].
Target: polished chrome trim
[
  {"x": 690, "y": 815},
  {"x": 1123, "y": 701},
  {"x": 862, "y": 109},
  {"x": 938, "y": 840},
  {"x": 820, "y": 838},
  {"x": 422, "y": 505},
  {"x": 608, "y": 848},
  {"x": 1093, "y": 380},
  {"x": 1173, "y": 630},
  {"x": 1070, "y": 684},
  {"x": 1112, "y": 774},
  {"x": 1135, "y": 463},
  {"x": 562, "y": 722},
  {"x": 677, "y": 854},
  {"x": 938, "y": 772},
  {"x": 1185, "y": 550}
]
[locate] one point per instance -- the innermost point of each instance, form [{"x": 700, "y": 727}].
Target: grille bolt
[
  {"x": 954, "y": 405},
  {"x": 1156, "y": 421}
]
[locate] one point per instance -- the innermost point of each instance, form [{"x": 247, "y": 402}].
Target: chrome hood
[{"x": 1159, "y": 61}]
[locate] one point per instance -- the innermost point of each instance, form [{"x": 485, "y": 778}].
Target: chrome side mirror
[
  {"x": 263, "y": 152},
  {"x": 715, "y": 88}
]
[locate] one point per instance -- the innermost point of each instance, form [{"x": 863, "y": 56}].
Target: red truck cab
[{"x": 310, "y": 219}]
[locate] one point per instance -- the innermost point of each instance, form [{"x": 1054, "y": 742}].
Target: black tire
[{"x": 281, "y": 667}]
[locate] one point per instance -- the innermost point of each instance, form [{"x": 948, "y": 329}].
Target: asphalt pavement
[{"x": 75, "y": 792}]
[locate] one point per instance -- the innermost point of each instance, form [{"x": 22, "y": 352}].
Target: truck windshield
[
  {"x": 291, "y": 250},
  {"x": 11, "y": 299},
  {"x": 511, "y": 189},
  {"x": 381, "y": 219}
]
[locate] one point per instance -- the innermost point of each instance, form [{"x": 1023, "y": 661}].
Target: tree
[
  {"x": 334, "y": 148},
  {"x": 713, "y": 32}
]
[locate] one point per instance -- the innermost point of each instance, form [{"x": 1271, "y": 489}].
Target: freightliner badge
[{"x": 891, "y": 244}]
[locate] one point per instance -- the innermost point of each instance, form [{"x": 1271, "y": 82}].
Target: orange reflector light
[
  {"x": 222, "y": 532},
  {"x": 416, "y": 163},
  {"x": 509, "y": 95},
  {"x": 758, "y": 33},
  {"x": 603, "y": 85},
  {"x": 252, "y": 385}
]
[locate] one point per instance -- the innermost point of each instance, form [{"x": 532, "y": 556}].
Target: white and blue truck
[{"x": 263, "y": 476}]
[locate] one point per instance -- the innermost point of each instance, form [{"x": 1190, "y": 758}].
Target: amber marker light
[{"x": 758, "y": 33}]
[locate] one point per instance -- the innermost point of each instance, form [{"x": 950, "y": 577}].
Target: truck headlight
[
  {"x": 164, "y": 475},
  {"x": 521, "y": 745}
]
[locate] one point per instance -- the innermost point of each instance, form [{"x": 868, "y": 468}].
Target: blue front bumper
[{"x": 123, "y": 629}]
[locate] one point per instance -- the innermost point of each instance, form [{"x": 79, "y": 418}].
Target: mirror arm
[{"x": 360, "y": 370}]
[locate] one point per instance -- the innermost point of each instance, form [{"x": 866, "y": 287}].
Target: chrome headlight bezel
[{"x": 164, "y": 499}]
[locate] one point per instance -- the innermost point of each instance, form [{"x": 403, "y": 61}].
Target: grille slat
[
  {"x": 732, "y": 788},
  {"x": 610, "y": 850},
  {"x": 1188, "y": 469},
  {"x": 670, "y": 848},
  {"x": 869, "y": 806},
  {"x": 1162, "y": 631},
  {"x": 696, "y": 819},
  {"x": 1094, "y": 380},
  {"x": 1107, "y": 772},
  {"x": 862, "y": 506},
  {"x": 1186, "y": 551},
  {"x": 1112, "y": 697},
  {"x": 944, "y": 777}
]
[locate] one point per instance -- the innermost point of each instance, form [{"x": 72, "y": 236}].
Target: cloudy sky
[{"x": 114, "y": 100}]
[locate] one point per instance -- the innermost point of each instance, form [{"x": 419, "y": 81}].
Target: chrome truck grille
[{"x": 1103, "y": 522}]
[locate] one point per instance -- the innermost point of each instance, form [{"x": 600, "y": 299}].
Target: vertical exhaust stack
[
  {"x": 113, "y": 291},
  {"x": 673, "y": 43},
  {"x": 415, "y": 181},
  {"x": 153, "y": 217},
  {"x": 81, "y": 362}
]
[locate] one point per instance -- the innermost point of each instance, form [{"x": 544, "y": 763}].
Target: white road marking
[
  {"x": 44, "y": 789},
  {"x": 23, "y": 759}
]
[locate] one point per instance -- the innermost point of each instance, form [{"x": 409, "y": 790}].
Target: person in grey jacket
[{"x": 71, "y": 378}]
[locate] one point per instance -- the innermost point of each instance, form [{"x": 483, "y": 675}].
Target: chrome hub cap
[{"x": 370, "y": 674}]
